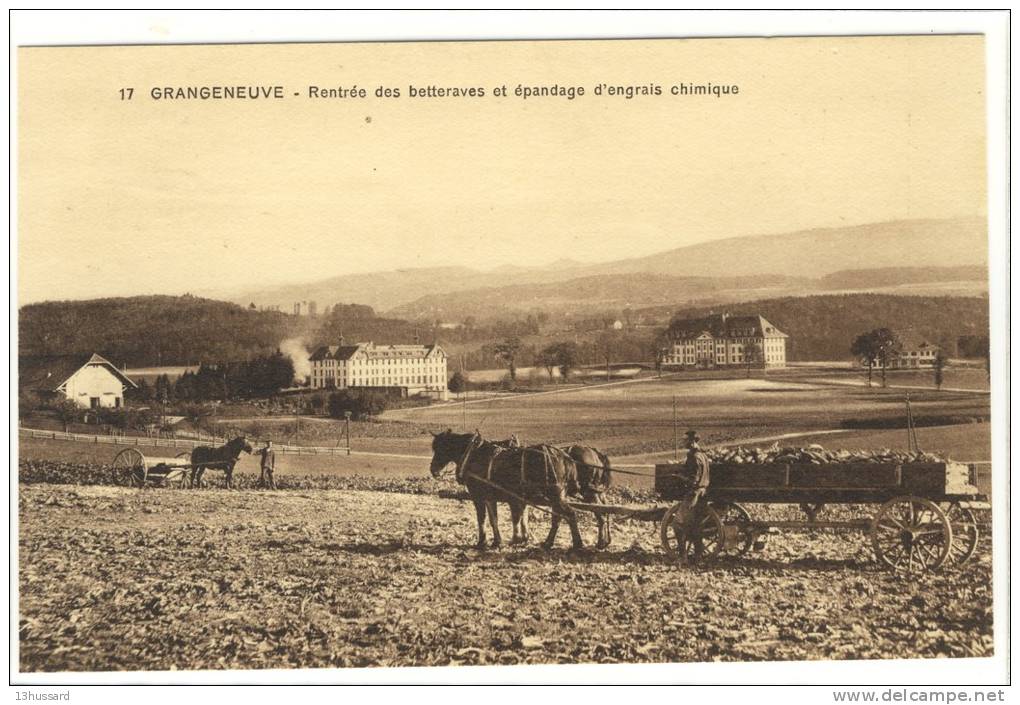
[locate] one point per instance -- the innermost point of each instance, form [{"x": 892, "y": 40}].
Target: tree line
[{"x": 260, "y": 376}]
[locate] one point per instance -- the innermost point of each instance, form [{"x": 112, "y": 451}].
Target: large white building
[
  {"x": 413, "y": 369},
  {"x": 91, "y": 382},
  {"x": 725, "y": 341}
]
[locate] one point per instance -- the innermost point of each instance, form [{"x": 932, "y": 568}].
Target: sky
[{"x": 124, "y": 197}]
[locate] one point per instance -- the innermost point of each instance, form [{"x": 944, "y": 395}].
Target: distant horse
[
  {"x": 541, "y": 475},
  {"x": 222, "y": 458}
]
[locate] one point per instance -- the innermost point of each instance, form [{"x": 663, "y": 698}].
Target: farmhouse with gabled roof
[{"x": 90, "y": 381}]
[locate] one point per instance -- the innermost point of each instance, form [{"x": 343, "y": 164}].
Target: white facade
[
  {"x": 914, "y": 353},
  {"x": 97, "y": 384},
  {"x": 725, "y": 341},
  {"x": 415, "y": 369}
]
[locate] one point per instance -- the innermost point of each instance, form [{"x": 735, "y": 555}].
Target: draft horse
[
  {"x": 540, "y": 475},
  {"x": 594, "y": 472},
  {"x": 223, "y": 458}
]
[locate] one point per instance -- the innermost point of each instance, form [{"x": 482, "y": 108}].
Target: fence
[{"x": 171, "y": 442}]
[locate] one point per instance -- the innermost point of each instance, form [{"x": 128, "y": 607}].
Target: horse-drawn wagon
[
  {"x": 925, "y": 518},
  {"x": 183, "y": 470}
]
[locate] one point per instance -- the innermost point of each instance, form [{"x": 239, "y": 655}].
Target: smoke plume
[{"x": 297, "y": 351}]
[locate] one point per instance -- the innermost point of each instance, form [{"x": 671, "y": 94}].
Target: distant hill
[
  {"x": 151, "y": 330},
  {"x": 616, "y": 292},
  {"x": 822, "y": 251},
  {"x": 595, "y": 293},
  {"x": 902, "y": 276},
  {"x": 384, "y": 291},
  {"x": 809, "y": 254},
  {"x": 146, "y": 331},
  {"x": 187, "y": 330},
  {"x": 823, "y": 327}
]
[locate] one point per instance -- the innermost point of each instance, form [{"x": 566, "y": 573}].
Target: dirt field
[{"x": 114, "y": 579}]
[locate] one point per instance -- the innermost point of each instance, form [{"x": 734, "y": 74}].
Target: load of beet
[{"x": 816, "y": 455}]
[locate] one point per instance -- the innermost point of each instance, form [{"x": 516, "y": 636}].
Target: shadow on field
[{"x": 592, "y": 556}]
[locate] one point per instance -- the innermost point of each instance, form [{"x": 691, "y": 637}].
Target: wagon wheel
[
  {"x": 671, "y": 527},
  {"x": 735, "y": 519},
  {"x": 185, "y": 479},
  {"x": 130, "y": 466},
  {"x": 911, "y": 534},
  {"x": 178, "y": 477},
  {"x": 965, "y": 534}
]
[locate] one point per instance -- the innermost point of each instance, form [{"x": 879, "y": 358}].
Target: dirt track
[{"x": 115, "y": 579}]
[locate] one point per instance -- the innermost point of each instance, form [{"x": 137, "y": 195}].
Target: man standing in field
[
  {"x": 268, "y": 464},
  {"x": 693, "y": 511}
]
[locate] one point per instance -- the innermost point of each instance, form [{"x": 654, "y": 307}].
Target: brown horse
[
  {"x": 594, "y": 473},
  {"x": 540, "y": 475},
  {"x": 221, "y": 458}
]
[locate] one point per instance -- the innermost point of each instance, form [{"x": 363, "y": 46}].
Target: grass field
[
  {"x": 634, "y": 418},
  {"x": 954, "y": 377}
]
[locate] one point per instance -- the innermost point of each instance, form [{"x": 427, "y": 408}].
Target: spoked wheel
[
  {"x": 736, "y": 526},
  {"x": 671, "y": 529},
  {"x": 185, "y": 478},
  {"x": 911, "y": 534},
  {"x": 965, "y": 534},
  {"x": 176, "y": 478},
  {"x": 130, "y": 467}
]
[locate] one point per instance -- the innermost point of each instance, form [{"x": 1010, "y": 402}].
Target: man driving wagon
[{"x": 693, "y": 503}]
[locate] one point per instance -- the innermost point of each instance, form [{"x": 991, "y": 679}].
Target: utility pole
[
  {"x": 676, "y": 442},
  {"x": 912, "y": 444},
  {"x": 347, "y": 424}
]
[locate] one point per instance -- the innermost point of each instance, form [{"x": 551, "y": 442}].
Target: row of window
[{"x": 376, "y": 381}]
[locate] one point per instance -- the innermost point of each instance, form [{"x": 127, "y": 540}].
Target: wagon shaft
[{"x": 630, "y": 511}]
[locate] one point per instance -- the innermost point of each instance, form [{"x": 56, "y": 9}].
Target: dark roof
[
  {"x": 912, "y": 340},
  {"x": 334, "y": 352},
  {"x": 50, "y": 372},
  {"x": 346, "y": 352},
  {"x": 725, "y": 326}
]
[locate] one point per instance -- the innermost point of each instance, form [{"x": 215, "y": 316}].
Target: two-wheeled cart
[{"x": 137, "y": 470}]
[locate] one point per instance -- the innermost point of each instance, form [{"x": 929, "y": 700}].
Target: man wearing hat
[
  {"x": 268, "y": 465},
  {"x": 693, "y": 513}
]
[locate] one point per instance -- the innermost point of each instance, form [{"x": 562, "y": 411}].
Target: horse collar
[{"x": 467, "y": 453}]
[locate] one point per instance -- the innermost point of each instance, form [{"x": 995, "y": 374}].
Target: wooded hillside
[{"x": 822, "y": 327}]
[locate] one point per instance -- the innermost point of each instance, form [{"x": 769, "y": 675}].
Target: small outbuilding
[{"x": 91, "y": 382}]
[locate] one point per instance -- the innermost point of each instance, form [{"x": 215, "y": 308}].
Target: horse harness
[{"x": 471, "y": 447}]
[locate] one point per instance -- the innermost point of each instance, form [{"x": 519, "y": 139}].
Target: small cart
[{"x": 138, "y": 471}]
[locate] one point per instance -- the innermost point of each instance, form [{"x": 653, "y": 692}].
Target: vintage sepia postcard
[{"x": 339, "y": 356}]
